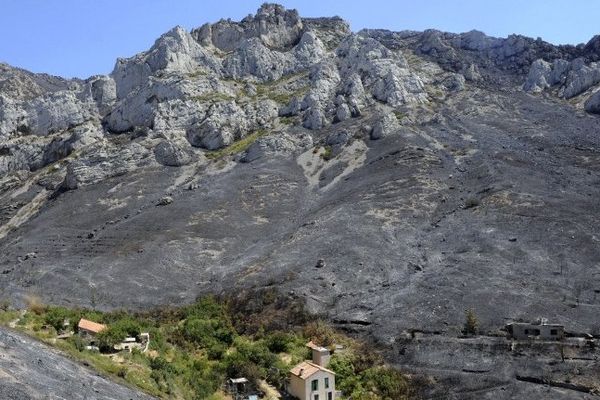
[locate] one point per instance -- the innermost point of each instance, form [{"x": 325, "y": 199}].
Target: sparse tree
[{"x": 471, "y": 323}]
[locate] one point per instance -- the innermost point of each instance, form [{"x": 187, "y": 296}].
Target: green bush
[
  {"x": 278, "y": 342},
  {"x": 207, "y": 332},
  {"x": 77, "y": 342},
  {"x": 56, "y": 316},
  {"x": 204, "y": 379},
  {"x": 387, "y": 383}
]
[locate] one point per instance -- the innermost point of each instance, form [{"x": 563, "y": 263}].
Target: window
[
  {"x": 316, "y": 397},
  {"x": 314, "y": 385},
  {"x": 329, "y": 395},
  {"x": 536, "y": 332},
  {"x": 326, "y": 383},
  {"x": 553, "y": 332}
]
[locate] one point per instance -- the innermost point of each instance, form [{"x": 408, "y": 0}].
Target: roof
[
  {"x": 313, "y": 346},
  {"x": 238, "y": 380},
  {"x": 534, "y": 324},
  {"x": 308, "y": 369},
  {"x": 90, "y": 326}
]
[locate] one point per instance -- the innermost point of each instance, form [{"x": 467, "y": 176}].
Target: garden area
[{"x": 194, "y": 349}]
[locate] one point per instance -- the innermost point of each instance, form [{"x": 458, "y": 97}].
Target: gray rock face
[
  {"x": 280, "y": 144},
  {"x": 104, "y": 162},
  {"x": 228, "y": 121},
  {"x": 537, "y": 79},
  {"x": 384, "y": 126},
  {"x": 275, "y": 26},
  {"x": 572, "y": 78},
  {"x": 580, "y": 78},
  {"x": 175, "y": 51},
  {"x": 56, "y": 112}
]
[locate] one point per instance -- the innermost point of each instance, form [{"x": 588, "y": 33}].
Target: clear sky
[{"x": 79, "y": 38}]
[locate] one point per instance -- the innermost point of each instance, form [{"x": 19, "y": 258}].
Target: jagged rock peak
[{"x": 274, "y": 25}]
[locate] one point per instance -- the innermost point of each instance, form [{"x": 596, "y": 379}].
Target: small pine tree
[{"x": 471, "y": 323}]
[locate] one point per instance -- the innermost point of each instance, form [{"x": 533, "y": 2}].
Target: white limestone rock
[
  {"x": 384, "y": 73},
  {"x": 580, "y": 78},
  {"x": 538, "y": 77},
  {"x": 227, "y": 121},
  {"x": 175, "y": 51},
  {"x": 385, "y": 125},
  {"x": 56, "y": 112},
  {"x": 280, "y": 143},
  {"x": 105, "y": 162},
  {"x": 171, "y": 154},
  {"x": 275, "y": 26}
]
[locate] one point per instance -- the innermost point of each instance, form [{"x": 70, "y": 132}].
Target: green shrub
[
  {"x": 77, "y": 342},
  {"x": 207, "y": 332},
  {"x": 278, "y": 342},
  {"x": 56, "y": 316},
  {"x": 204, "y": 379},
  {"x": 387, "y": 383}
]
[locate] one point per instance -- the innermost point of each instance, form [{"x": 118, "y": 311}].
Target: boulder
[
  {"x": 538, "y": 76},
  {"x": 170, "y": 154},
  {"x": 343, "y": 112},
  {"x": 386, "y": 125},
  {"x": 592, "y": 104}
]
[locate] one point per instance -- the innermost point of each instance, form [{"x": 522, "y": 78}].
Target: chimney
[{"x": 301, "y": 371}]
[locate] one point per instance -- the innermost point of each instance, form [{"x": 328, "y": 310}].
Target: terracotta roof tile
[
  {"x": 90, "y": 326},
  {"x": 308, "y": 369}
]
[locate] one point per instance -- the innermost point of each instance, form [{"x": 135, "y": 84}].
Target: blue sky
[{"x": 79, "y": 38}]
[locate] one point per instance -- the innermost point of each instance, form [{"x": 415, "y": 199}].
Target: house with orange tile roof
[
  {"x": 311, "y": 380},
  {"x": 89, "y": 329}
]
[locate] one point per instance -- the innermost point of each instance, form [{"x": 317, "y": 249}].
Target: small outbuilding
[
  {"x": 320, "y": 355},
  {"x": 540, "y": 330}
]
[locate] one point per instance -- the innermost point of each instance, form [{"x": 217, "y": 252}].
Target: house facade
[
  {"x": 539, "y": 330},
  {"x": 310, "y": 381}
]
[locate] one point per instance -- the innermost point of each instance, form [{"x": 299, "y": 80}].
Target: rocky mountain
[{"x": 431, "y": 173}]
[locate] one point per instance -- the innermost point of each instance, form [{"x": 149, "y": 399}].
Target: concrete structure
[
  {"x": 130, "y": 343},
  {"x": 320, "y": 355},
  {"x": 310, "y": 381},
  {"x": 89, "y": 329},
  {"x": 541, "y": 330}
]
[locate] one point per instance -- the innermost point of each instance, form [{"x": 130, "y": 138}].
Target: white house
[{"x": 312, "y": 380}]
